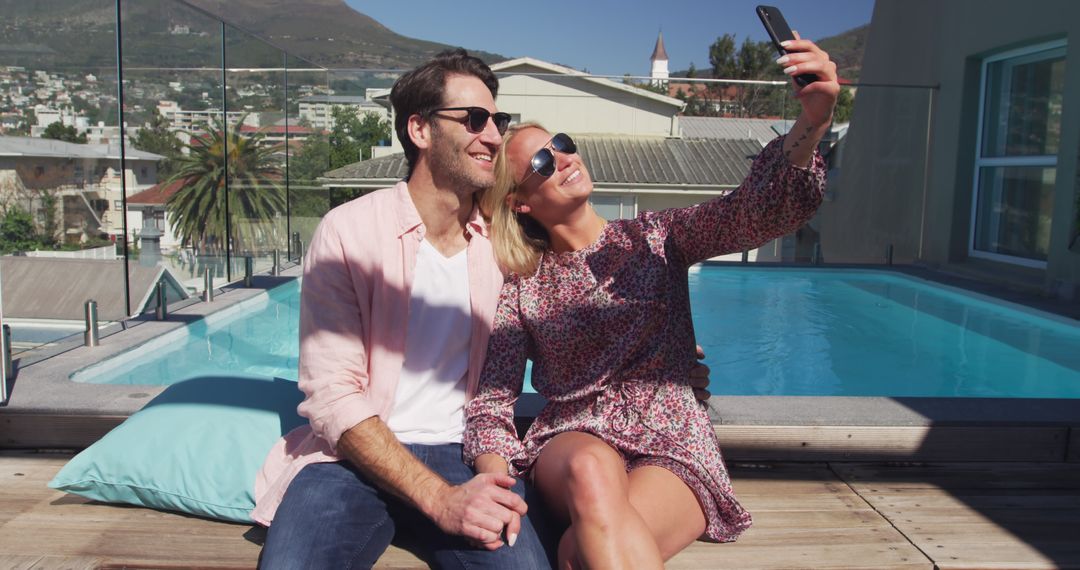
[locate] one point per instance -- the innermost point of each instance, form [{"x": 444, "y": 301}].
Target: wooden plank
[
  {"x": 868, "y": 477},
  {"x": 22, "y": 480},
  {"x": 805, "y": 517},
  {"x": 818, "y": 556},
  {"x": 53, "y": 431},
  {"x": 1073, "y": 454},
  {"x": 891, "y": 443},
  {"x": 13, "y": 562},
  {"x": 993, "y": 515},
  {"x": 1015, "y": 555}
]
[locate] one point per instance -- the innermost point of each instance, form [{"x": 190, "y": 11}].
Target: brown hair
[
  {"x": 421, "y": 91},
  {"x": 518, "y": 239}
]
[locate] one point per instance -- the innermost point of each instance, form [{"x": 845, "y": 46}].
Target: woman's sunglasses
[
  {"x": 543, "y": 162},
  {"x": 477, "y": 117}
]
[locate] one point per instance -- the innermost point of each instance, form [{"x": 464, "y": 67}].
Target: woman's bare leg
[
  {"x": 584, "y": 479},
  {"x": 668, "y": 506}
]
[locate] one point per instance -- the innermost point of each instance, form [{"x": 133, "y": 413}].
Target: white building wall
[{"x": 571, "y": 104}]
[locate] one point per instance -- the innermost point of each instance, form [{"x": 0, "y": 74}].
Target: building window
[
  {"x": 118, "y": 205},
  {"x": 1016, "y": 164},
  {"x": 614, "y": 206}
]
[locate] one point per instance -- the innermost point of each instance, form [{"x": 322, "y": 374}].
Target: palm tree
[{"x": 197, "y": 210}]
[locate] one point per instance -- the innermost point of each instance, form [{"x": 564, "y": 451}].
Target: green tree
[
  {"x": 156, "y": 137},
  {"x": 353, "y": 136},
  {"x": 753, "y": 60},
  {"x": 311, "y": 161},
  {"x": 17, "y": 232},
  {"x": 845, "y": 105},
  {"x": 61, "y": 132},
  {"x": 197, "y": 210}
]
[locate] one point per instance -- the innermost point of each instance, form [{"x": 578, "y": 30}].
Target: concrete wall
[{"x": 880, "y": 196}]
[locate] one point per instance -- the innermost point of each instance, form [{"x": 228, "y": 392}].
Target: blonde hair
[{"x": 518, "y": 239}]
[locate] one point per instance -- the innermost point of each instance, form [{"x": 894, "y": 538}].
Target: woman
[{"x": 622, "y": 451}]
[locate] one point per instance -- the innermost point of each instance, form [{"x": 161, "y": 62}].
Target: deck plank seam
[{"x": 885, "y": 517}]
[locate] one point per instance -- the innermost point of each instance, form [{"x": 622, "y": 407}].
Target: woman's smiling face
[{"x": 547, "y": 197}]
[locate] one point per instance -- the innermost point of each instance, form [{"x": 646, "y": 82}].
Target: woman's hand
[{"x": 819, "y": 97}]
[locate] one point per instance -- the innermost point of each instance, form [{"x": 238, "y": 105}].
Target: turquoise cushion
[{"x": 196, "y": 448}]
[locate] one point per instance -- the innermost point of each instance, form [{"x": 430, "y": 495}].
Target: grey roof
[
  {"x": 38, "y": 147},
  {"x": 389, "y": 167},
  {"x": 57, "y": 288},
  {"x": 762, "y": 130},
  {"x": 619, "y": 160},
  {"x": 640, "y": 160},
  {"x": 339, "y": 99}
]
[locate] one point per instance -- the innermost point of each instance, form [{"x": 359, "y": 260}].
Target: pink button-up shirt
[{"x": 354, "y": 310}]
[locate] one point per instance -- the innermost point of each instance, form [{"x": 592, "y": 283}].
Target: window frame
[{"x": 981, "y": 162}]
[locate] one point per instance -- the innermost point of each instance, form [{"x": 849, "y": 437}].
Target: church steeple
[
  {"x": 658, "y": 52},
  {"x": 659, "y": 72}
]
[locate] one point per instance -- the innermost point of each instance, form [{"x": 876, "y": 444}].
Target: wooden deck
[{"x": 807, "y": 515}]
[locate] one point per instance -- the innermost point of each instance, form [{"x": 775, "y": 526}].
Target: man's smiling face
[{"x": 465, "y": 158}]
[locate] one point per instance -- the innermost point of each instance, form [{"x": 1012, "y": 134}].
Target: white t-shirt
[{"x": 429, "y": 405}]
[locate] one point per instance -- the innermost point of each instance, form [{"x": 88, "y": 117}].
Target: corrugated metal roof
[
  {"x": 57, "y": 288},
  {"x": 762, "y": 130},
  {"x": 620, "y": 160},
  {"x": 30, "y": 146},
  {"x": 389, "y": 167}
]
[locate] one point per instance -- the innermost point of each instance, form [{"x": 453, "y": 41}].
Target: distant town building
[
  {"x": 190, "y": 120},
  {"x": 317, "y": 110},
  {"x": 82, "y": 180}
]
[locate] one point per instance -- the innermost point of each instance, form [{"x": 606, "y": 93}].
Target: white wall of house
[{"x": 575, "y": 105}]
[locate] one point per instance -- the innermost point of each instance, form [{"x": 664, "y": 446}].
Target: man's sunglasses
[
  {"x": 543, "y": 162},
  {"x": 477, "y": 117}
]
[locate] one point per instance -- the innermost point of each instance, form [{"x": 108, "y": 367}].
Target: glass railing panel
[
  {"x": 308, "y": 151},
  {"x": 60, "y": 175},
  {"x": 256, "y": 142},
  {"x": 173, "y": 103}
]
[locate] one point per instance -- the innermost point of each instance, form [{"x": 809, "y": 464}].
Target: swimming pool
[{"x": 766, "y": 331}]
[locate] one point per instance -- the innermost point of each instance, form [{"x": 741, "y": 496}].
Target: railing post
[
  {"x": 300, "y": 250},
  {"x": 275, "y": 262},
  {"x": 162, "y": 311},
  {"x": 9, "y": 372},
  {"x": 817, "y": 253},
  {"x": 888, "y": 255},
  {"x": 746, "y": 256},
  {"x": 296, "y": 244},
  {"x": 208, "y": 286},
  {"x": 91, "y": 337},
  {"x": 249, "y": 270}
]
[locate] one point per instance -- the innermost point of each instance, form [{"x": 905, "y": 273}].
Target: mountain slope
[
  {"x": 847, "y": 50},
  {"x": 81, "y": 33},
  {"x": 329, "y": 32}
]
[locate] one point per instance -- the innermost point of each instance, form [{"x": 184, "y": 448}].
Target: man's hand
[
  {"x": 480, "y": 509},
  {"x": 699, "y": 378}
]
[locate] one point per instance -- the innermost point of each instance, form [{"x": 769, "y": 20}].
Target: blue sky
[{"x": 608, "y": 37}]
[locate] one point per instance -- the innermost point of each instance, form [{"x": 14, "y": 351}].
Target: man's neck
[{"x": 444, "y": 211}]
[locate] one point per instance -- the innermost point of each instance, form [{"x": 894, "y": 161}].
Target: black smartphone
[{"x": 779, "y": 31}]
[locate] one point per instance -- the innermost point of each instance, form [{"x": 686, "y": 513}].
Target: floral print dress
[{"x": 609, "y": 332}]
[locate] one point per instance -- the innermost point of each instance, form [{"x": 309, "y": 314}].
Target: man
[{"x": 400, "y": 289}]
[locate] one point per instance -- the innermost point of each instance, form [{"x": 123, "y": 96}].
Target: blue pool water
[{"x": 765, "y": 332}]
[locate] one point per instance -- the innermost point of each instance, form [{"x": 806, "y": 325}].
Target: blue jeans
[{"x": 332, "y": 518}]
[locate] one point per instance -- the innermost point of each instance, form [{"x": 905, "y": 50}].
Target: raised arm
[{"x": 786, "y": 182}]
